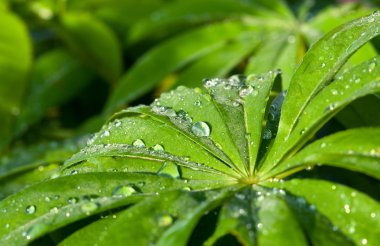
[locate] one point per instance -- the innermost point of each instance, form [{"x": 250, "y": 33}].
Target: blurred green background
[{"x": 66, "y": 66}]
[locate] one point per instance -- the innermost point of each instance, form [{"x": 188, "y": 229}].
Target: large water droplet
[
  {"x": 125, "y": 190},
  {"x": 30, "y": 209},
  {"x": 201, "y": 129},
  {"x": 89, "y": 207},
  {"x": 138, "y": 143},
  {"x": 169, "y": 169},
  {"x": 364, "y": 241}
]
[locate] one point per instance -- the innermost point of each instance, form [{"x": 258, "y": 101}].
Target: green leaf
[
  {"x": 179, "y": 14},
  {"x": 52, "y": 204},
  {"x": 362, "y": 112},
  {"x": 89, "y": 38},
  {"x": 15, "y": 62},
  {"x": 28, "y": 165},
  {"x": 321, "y": 64},
  {"x": 278, "y": 51},
  {"x": 218, "y": 63},
  {"x": 355, "y": 149},
  {"x": 171, "y": 55},
  {"x": 352, "y": 212},
  {"x": 113, "y": 12},
  {"x": 56, "y": 78},
  {"x": 258, "y": 216}
]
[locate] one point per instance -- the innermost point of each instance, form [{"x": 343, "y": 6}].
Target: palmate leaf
[{"x": 160, "y": 173}]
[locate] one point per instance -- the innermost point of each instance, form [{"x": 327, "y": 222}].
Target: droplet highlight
[{"x": 201, "y": 129}]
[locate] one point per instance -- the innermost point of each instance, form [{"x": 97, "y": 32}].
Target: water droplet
[
  {"x": 186, "y": 188},
  {"x": 201, "y": 129},
  {"x": 89, "y": 207},
  {"x": 330, "y": 107},
  {"x": 158, "y": 147},
  {"x": 47, "y": 199},
  {"x": 183, "y": 116},
  {"x": 197, "y": 103},
  {"x": 30, "y": 209},
  {"x": 54, "y": 210},
  {"x": 169, "y": 169},
  {"x": 125, "y": 190},
  {"x": 333, "y": 187},
  {"x": 267, "y": 134},
  {"x": 166, "y": 111},
  {"x": 73, "y": 172},
  {"x": 302, "y": 131},
  {"x": 347, "y": 209},
  {"x": 371, "y": 19},
  {"x": 323, "y": 65},
  {"x": 323, "y": 145},
  {"x": 117, "y": 123},
  {"x": 105, "y": 133},
  {"x": 309, "y": 168},
  {"x": 72, "y": 200},
  {"x": 245, "y": 91},
  {"x": 260, "y": 226},
  {"x": 373, "y": 215},
  {"x": 165, "y": 220},
  {"x": 371, "y": 66},
  {"x": 334, "y": 92},
  {"x": 211, "y": 82},
  {"x": 357, "y": 80},
  {"x": 138, "y": 143},
  {"x": 364, "y": 241}
]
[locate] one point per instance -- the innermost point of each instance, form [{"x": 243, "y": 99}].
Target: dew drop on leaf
[
  {"x": 347, "y": 209},
  {"x": 334, "y": 92},
  {"x": 158, "y": 147},
  {"x": 165, "y": 220},
  {"x": 117, "y": 123},
  {"x": 89, "y": 207},
  {"x": 245, "y": 91},
  {"x": 371, "y": 66},
  {"x": 201, "y": 129},
  {"x": 72, "y": 200},
  {"x": 364, "y": 241},
  {"x": 125, "y": 190},
  {"x": 138, "y": 143},
  {"x": 73, "y": 172},
  {"x": 373, "y": 215},
  {"x": 106, "y": 133},
  {"x": 30, "y": 209},
  {"x": 267, "y": 134}
]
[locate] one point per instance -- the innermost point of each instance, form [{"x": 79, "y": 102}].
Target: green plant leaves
[
  {"x": 57, "y": 202},
  {"x": 355, "y": 149},
  {"x": 219, "y": 157},
  {"x": 352, "y": 212},
  {"x": 183, "y": 50},
  {"x": 56, "y": 77},
  {"x": 321, "y": 64},
  {"x": 88, "y": 37},
  {"x": 15, "y": 62}
]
